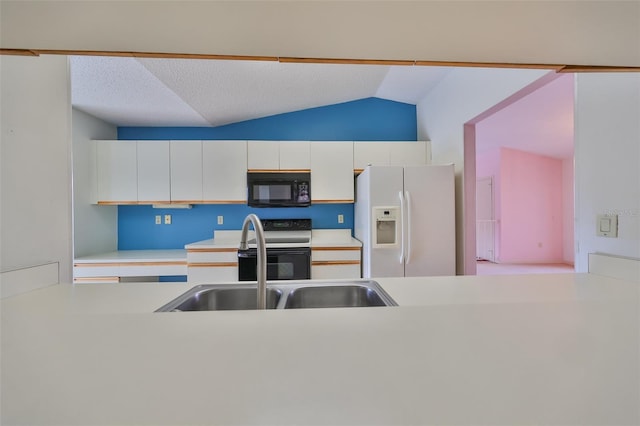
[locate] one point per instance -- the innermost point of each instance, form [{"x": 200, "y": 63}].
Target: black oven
[
  {"x": 282, "y": 264},
  {"x": 278, "y": 189}
]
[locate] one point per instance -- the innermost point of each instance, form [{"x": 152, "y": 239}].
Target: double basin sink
[{"x": 281, "y": 295}]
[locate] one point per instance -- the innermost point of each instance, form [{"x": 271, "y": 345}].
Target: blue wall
[{"x": 370, "y": 119}]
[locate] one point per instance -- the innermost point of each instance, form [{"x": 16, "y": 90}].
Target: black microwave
[{"x": 278, "y": 189}]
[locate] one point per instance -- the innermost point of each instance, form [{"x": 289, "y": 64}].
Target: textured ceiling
[{"x": 188, "y": 92}]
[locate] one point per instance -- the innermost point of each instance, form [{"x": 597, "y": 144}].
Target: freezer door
[
  {"x": 384, "y": 188},
  {"x": 430, "y": 220}
]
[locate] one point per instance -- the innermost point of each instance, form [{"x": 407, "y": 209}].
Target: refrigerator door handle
[
  {"x": 402, "y": 230},
  {"x": 407, "y": 196}
]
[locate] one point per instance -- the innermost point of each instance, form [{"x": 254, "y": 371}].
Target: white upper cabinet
[
  {"x": 370, "y": 153},
  {"x": 117, "y": 171},
  {"x": 186, "y": 171},
  {"x": 279, "y": 155},
  {"x": 263, "y": 155},
  {"x": 332, "y": 172},
  {"x": 409, "y": 153},
  {"x": 154, "y": 181},
  {"x": 391, "y": 153},
  {"x": 295, "y": 155},
  {"x": 224, "y": 165}
]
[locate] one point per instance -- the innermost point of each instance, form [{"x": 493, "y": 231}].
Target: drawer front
[
  {"x": 153, "y": 269},
  {"x": 212, "y": 255},
  {"x": 328, "y": 254},
  {"x": 86, "y": 270},
  {"x": 329, "y": 271}
]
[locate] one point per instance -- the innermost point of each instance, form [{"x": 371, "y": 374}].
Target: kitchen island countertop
[{"x": 534, "y": 349}]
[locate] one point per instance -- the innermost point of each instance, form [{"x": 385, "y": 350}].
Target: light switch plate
[
  {"x": 607, "y": 225},
  {"x": 167, "y": 219},
  {"x": 220, "y": 220}
]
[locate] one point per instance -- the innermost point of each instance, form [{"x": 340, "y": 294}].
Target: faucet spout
[{"x": 261, "y": 266}]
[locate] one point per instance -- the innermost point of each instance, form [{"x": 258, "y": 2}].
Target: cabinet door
[
  {"x": 332, "y": 172},
  {"x": 263, "y": 155},
  {"x": 153, "y": 171},
  {"x": 117, "y": 171},
  {"x": 186, "y": 171},
  {"x": 295, "y": 155},
  {"x": 224, "y": 171},
  {"x": 408, "y": 153},
  {"x": 370, "y": 153}
]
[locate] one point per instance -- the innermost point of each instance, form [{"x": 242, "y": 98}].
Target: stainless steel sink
[
  {"x": 282, "y": 295},
  {"x": 341, "y": 296},
  {"x": 220, "y": 298}
]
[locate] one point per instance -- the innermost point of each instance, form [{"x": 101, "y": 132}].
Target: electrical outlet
[
  {"x": 340, "y": 218},
  {"x": 220, "y": 220},
  {"x": 167, "y": 219},
  {"x": 158, "y": 219}
]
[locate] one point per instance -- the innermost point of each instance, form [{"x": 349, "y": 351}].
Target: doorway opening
[{"x": 519, "y": 215}]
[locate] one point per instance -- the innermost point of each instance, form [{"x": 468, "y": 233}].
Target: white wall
[
  {"x": 568, "y": 211},
  {"x": 95, "y": 227},
  {"x": 607, "y": 163},
  {"x": 461, "y": 96},
  {"x": 592, "y": 33},
  {"x": 36, "y": 163}
]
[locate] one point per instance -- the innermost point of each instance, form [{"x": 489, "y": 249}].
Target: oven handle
[{"x": 252, "y": 252}]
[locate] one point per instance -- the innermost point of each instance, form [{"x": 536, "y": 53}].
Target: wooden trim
[
  {"x": 335, "y": 248},
  {"x": 212, "y": 265},
  {"x": 96, "y": 279},
  {"x": 212, "y": 250},
  {"x": 334, "y": 262},
  {"x": 555, "y": 67},
  {"x": 332, "y": 201},
  {"x": 589, "y": 68},
  {"x": 288, "y": 60},
  {"x": 18, "y": 52},
  {"x": 279, "y": 171},
  {"x": 222, "y": 202},
  {"x": 181, "y": 202},
  {"x": 111, "y": 264},
  {"x": 117, "y": 203},
  {"x": 356, "y": 172},
  {"x": 564, "y": 68}
]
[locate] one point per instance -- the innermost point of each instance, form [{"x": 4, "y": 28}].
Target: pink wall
[{"x": 531, "y": 208}]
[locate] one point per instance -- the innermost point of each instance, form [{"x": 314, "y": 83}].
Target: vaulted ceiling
[{"x": 128, "y": 91}]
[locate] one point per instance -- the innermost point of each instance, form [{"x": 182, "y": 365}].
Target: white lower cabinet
[
  {"x": 212, "y": 265},
  {"x": 335, "y": 262}
]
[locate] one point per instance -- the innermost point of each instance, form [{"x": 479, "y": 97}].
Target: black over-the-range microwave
[{"x": 278, "y": 189}]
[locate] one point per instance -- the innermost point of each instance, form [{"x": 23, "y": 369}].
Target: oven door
[{"x": 282, "y": 264}]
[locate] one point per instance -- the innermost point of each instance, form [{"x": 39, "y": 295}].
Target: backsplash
[{"x": 137, "y": 229}]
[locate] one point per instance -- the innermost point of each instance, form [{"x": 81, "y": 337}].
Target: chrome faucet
[{"x": 261, "y": 267}]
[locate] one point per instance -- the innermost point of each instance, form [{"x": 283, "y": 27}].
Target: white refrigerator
[{"x": 405, "y": 219}]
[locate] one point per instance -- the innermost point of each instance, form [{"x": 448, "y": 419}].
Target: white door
[
  {"x": 186, "y": 171},
  {"x": 154, "y": 180},
  {"x": 224, "y": 171},
  {"x": 430, "y": 221},
  {"x": 117, "y": 171},
  {"x": 485, "y": 220},
  {"x": 332, "y": 172}
]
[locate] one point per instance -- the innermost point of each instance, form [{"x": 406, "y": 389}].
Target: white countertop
[
  {"x": 319, "y": 238},
  {"x": 539, "y": 349}
]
